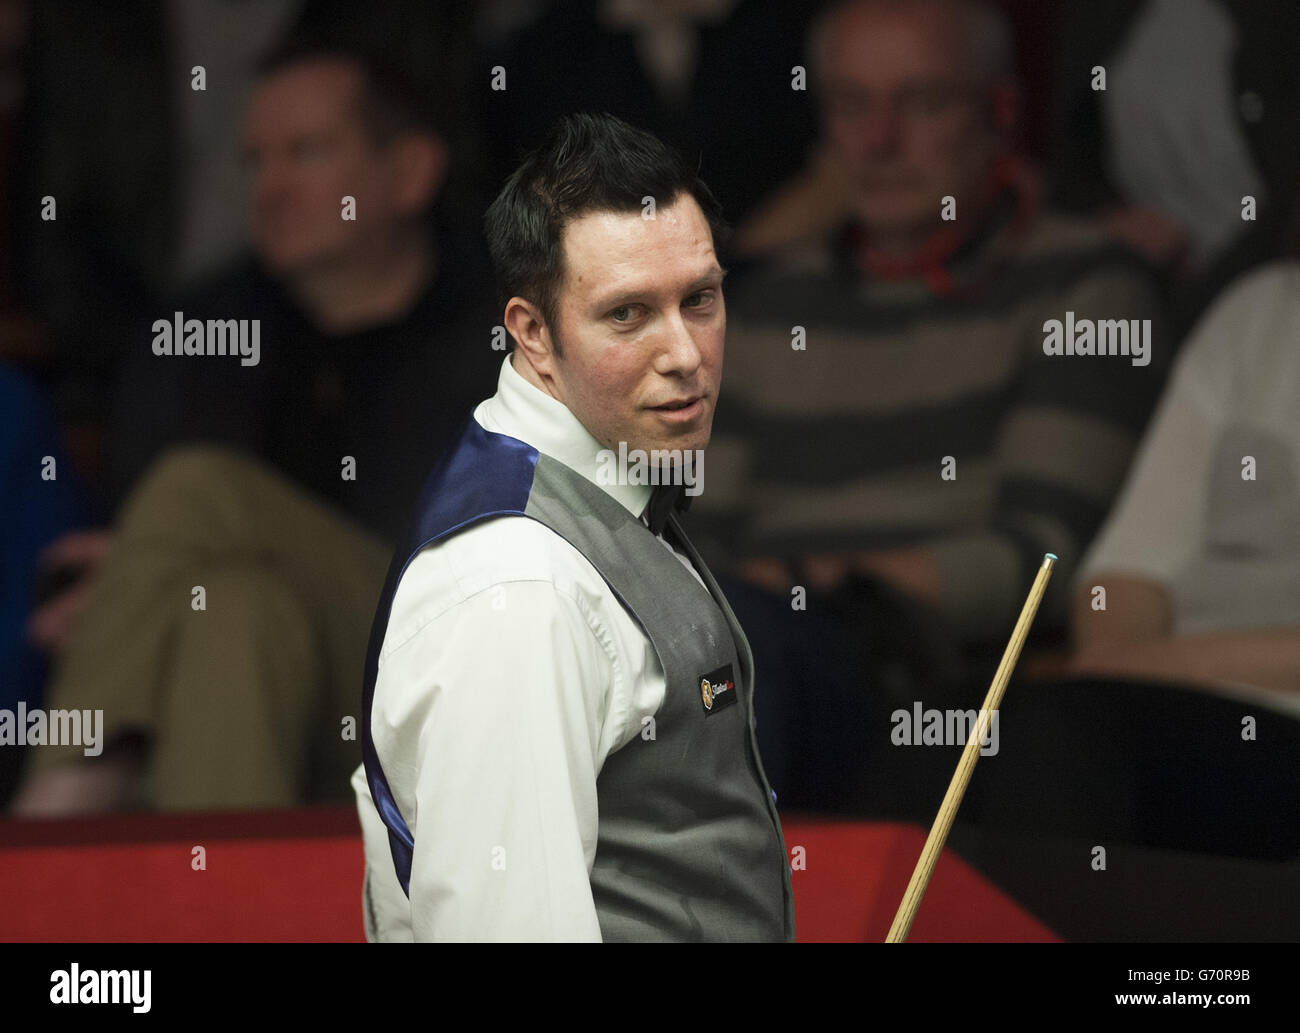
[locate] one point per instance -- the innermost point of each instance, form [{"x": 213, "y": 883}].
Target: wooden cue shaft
[{"x": 961, "y": 777}]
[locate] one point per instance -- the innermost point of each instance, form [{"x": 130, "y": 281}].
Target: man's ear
[
  {"x": 420, "y": 169},
  {"x": 533, "y": 344}
]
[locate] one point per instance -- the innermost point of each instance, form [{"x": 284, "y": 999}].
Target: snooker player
[{"x": 558, "y": 716}]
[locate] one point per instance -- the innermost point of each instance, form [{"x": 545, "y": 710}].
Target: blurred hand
[
  {"x": 909, "y": 569},
  {"x": 804, "y": 208},
  {"x": 97, "y": 785},
  {"x": 1152, "y": 234},
  {"x": 78, "y": 552}
]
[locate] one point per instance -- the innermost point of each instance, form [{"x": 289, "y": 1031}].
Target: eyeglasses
[{"x": 916, "y": 102}]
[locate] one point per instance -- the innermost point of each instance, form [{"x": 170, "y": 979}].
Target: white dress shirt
[{"x": 509, "y": 671}]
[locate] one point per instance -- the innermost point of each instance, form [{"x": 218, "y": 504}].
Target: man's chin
[
  {"x": 287, "y": 259},
  {"x": 280, "y": 263},
  {"x": 696, "y": 441},
  {"x": 679, "y": 459}
]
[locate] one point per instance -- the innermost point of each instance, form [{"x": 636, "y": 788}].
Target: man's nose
[
  {"x": 270, "y": 182},
  {"x": 679, "y": 352},
  {"x": 880, "y": 128}
]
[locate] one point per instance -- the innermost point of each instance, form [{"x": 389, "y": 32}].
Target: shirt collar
[{"x": 526, "y": 412}]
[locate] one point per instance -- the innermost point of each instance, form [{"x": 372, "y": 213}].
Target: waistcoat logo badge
[{"x": 717, "y": 690}]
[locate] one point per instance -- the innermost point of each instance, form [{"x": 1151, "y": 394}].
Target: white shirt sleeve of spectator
[
  {"x": 502, "y": 742},
  {"x": 1157, "y": 525}
]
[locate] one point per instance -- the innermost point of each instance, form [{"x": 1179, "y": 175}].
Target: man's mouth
[
  {"x": 680, "y": 403},
  {"x": 680, "y": 410}
]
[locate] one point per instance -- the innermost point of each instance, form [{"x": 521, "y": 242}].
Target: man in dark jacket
[{"x": 267, "y": 483}]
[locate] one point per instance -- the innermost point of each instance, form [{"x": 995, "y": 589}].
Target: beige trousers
[{"x": 253, "y": 700}]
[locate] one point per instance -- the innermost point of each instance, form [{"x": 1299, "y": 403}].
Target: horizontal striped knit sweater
[{"x": 841, "y": 445}]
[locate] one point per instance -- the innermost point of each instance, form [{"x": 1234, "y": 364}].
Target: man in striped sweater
[{"x": 894, "y": 407}]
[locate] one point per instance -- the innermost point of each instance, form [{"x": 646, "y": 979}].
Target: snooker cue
[{"x": 961, "y": 777}]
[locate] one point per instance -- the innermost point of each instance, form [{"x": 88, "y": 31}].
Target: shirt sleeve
[
  {"x": 1158, "y": 523},
  {"x": 495, "y": 745}
]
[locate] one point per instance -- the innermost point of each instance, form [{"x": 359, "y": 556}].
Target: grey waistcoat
[{"x": 689, "y": 843}]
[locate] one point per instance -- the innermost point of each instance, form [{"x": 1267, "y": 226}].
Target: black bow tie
[{"x": 663, "y": 500}]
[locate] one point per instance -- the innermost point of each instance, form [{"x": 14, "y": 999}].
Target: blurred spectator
[
  {"x": 374, "y": 348},
  {"x": 812, "y": 202},
  {"x": 1200, "y": 559},
  {"x": 1198, "y": 112},
  {"x": 890, "y": 412},
  {"x": 349, "y": 301},
  {"x": 131, "y": 123},
  {"x": 1186, "y": 677},
  {"x": 433, "y": 45}
]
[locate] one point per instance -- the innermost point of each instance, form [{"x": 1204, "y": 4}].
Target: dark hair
[
  {"x": 588, "y": 163},
  {"x": 390, "y": 103}
]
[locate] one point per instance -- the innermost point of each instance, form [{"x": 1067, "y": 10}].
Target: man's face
[
  {"x": 904, "y": 114},
  {"x": 308, "y": 149},
  {"x": 642, "y": 325}
]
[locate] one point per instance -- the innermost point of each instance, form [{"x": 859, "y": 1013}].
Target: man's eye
[
  {"x": 928, "y": 100},
  {"x": 700, "y": 298},
  {"x": 847, "y": 105},
  {"x": 626, "y": 311}
]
